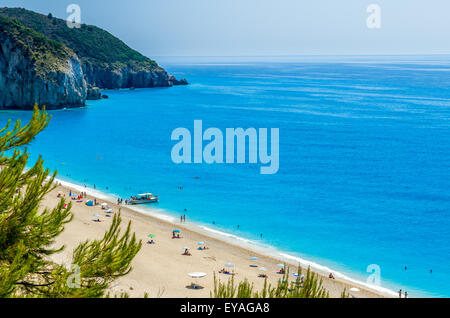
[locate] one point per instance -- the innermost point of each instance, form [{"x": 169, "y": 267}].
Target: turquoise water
[{"x": 364, "y": 157}]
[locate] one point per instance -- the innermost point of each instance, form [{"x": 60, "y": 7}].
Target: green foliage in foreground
[
  {"x": 311, "y": 288},
  {"x": 28, "y": 232}
]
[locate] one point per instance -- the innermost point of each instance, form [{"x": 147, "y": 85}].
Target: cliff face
[
  {"x": 107, "y": 62},
  {"x": 125, "y": 77},
  {"x": 23, "y": 83},
  {"x": 43, "y": 61}
]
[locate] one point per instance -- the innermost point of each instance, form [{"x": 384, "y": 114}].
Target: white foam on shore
[
  {"x": 295, "y": 260},
  {"x": 257, "y": 247}
]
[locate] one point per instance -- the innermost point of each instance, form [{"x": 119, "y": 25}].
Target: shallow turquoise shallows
[{"x": 364, "y": 158}]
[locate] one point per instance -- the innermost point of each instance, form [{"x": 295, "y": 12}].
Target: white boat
[{"x": 144, "y": 198}]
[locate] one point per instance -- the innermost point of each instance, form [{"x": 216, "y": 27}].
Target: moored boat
[{"x": 144, "y": 198}]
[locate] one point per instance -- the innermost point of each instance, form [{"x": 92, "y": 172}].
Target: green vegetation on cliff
[
  {"x": 47, "y": 55},
  {"x": 91, "y": 44}
]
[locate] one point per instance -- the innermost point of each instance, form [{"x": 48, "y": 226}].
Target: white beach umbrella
[
  {"x": 263, "y": 269},
  {"x": 354, "y": 289},
  {"x": 229, "y": 265},
  {"x": 280, "y": 265},
  {"x": 254, "y": 258},
  {"x": 186, "y": 248},
  {"x": 197, "y": 275}
]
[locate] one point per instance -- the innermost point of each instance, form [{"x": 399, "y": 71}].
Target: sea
[{"x": 363, "y": 187}]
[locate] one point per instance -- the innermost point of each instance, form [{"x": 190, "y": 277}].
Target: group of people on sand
[
  {"x": 176, "y": 235},
  {"x": 203, "y": 248}
]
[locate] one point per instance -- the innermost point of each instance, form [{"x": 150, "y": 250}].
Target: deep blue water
[{"x": 364, "y": 158}]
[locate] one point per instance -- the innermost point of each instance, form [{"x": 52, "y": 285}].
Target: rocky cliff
[
  {"x": 35, "y": 70},
  {"x": 107, "y": 62},
  {"x": 125, "y": 77},
  {"x": 54, "y": 65}
]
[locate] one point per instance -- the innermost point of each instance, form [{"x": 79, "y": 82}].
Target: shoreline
[{"x": 245, "y": 246}]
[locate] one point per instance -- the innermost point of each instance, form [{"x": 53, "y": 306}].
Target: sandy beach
[{"x": 161, "y": 270}]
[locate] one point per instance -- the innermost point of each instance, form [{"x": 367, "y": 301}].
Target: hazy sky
[{"x": 263, "y": 27}]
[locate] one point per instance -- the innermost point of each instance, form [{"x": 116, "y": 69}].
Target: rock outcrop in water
[
  {"x": 175, "y": 82},
  {"x": 94, "y": 93},
  {"x": 35, "y": 70},
  {"x": 57, "y": 66}
]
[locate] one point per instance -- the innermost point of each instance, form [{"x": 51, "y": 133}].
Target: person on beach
[
  {"x": 187, "y": 253},
  {"x": 331, "y": 276},
  {"x": 400, "y": 293},
  {"x": 406, "y": 294}
]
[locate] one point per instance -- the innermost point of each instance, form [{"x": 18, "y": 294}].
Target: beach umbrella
[
  {"x": 229, "y": 265},
  {"x": 151, "y": 236},
  {"x": 263, "y": 269},
  {"x": 97, "y": 215},
  {"x": 354, "y": 289},
  {"x": 280, "y": 265},
  {"x": 254, "y": 258},
  {"x": 201, "y": 243},
  {"x": 176, "y": 231},
  {"x": 186, "y": 248},
  {"x": 109, "y": 211},
  {"x": 196, "y": 275}
]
